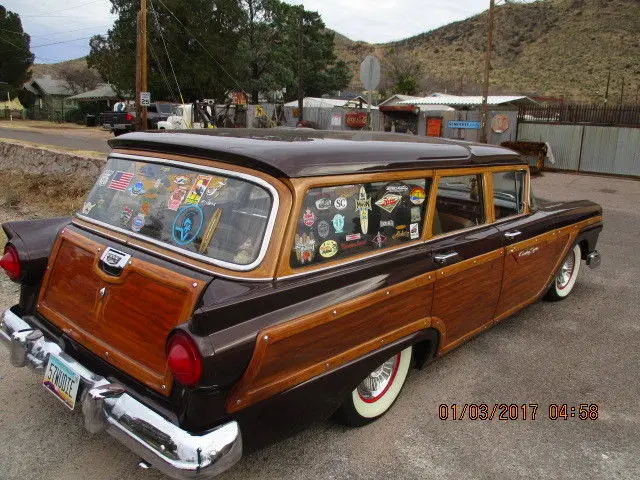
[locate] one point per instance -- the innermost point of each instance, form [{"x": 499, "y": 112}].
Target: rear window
[{"x": 209, "y": 213}]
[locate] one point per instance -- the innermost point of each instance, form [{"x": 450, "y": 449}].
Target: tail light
[
  {"x": 184, "y": 359},
  {"x": 10, "y": 262},
  {"x": 128, "y": 117}
]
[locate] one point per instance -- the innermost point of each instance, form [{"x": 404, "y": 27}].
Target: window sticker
[
  {"x": 120, "y": 181},
  {"x": 198, "y": 190},
  {"x": 340, "y": 221},
  {"x": 187, "y": 224}
]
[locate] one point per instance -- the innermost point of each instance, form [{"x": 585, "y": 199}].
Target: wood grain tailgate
[{"x": 128, "y": 325}]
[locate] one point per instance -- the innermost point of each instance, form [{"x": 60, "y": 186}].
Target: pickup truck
[{"x": 125, "y": 122}]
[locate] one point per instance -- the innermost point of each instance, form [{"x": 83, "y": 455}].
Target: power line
[
  {"x": 62, "y": 9},
  {"x": 201, "y": 45},
  {"x": 162, "y": 72},
  {"x": 62, "y": 41}
]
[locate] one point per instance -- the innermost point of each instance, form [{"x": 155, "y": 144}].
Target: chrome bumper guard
[
  {"x": 593, "y": 259},
  {"x": 106, "y": 406}
]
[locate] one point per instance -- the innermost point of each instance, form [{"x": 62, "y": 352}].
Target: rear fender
[{"x": 33, "y": 239}]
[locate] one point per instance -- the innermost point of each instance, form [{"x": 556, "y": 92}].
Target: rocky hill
[{"x": 548, "y": 47}]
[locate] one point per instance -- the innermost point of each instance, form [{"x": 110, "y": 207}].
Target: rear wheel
[
  {"x": 377, "y": 392},
  {"x": 566, "y": 278}
]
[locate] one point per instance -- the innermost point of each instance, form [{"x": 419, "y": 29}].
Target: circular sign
[
  {"x": 370, "y": 72},
  {"x": 500, "y": 123},
  {"x": 187, "y": 224}
]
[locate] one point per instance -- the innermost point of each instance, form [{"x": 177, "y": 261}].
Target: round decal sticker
[
  {"x": 417, "y": 195},
  {"x": 340, "y": 203},
  {"x": 323, "y": 229},
  {"x": 187, "y": 224},
  {"x": 328, "y": 249}
]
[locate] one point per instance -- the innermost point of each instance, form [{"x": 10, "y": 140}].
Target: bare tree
[{"x": 80, "y": 78}]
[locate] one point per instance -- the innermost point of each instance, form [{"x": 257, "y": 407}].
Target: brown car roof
[{"x": 302, "y": 152}]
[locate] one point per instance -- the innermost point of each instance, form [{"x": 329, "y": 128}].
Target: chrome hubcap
[
  {"x": 378, "y": 382},
  {"x": 564, "y": 277}
]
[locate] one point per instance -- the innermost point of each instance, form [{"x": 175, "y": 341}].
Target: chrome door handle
[
  {"x": 512, "y": 233},
  {"x": 443, "y": 257}
]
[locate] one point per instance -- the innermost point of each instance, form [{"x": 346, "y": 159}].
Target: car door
[
  {"x": 468, "y": 252},
  {"x": 532, "y": 249}
]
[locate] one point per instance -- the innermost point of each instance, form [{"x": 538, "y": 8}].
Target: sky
[{"x": 68, "y": 24}]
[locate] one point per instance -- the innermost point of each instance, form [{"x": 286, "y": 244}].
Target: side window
[
  {"x": 508, "y": 193},
  {"x": 343, "y": 221},
  {"x": 459, "y": 204}
]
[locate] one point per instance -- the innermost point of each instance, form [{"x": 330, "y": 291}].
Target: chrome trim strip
[
  {"x": 176, "y": 260},
  {"x": 249, "y": 178}
]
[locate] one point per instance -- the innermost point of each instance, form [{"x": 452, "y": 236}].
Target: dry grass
[
  {"x": 58, "y": 148},
  {"x": 43, "y": 195}
]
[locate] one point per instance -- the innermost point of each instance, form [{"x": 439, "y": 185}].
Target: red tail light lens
[
  {"x": 128, "y": 117},
  {"x": 10, "y": 262},
  {"x": 184, "y": 359}
]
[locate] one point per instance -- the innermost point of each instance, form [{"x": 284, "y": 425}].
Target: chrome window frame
[{"x": 266, "y": 239}]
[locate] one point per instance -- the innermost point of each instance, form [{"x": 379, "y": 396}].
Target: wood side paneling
[
  {"x": 291, "y": 353},
  {"x": 127, "y": 326},
  {"x": 531, "y": 264},
  {"x": 466, "y": 294}
]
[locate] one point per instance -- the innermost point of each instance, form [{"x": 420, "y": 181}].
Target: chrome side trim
[
  {"x": 108, "y": 407},
  {"x": 176, "y": 260},
  {"x": 249, "y": 178}
]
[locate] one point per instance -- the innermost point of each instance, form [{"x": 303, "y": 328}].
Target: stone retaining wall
[{"x": 31, "y": 159}]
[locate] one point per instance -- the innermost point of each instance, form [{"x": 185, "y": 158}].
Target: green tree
[
  {"x": 15, "y": 54},
  {"x": 201, "y": 38}
]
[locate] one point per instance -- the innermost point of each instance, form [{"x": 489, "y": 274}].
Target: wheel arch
[{"x": 425, "y": 349}]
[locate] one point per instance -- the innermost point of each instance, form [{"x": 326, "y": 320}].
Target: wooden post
[
  {"x": 141, "y": 67},
  {"x": 487, "y": 69}
]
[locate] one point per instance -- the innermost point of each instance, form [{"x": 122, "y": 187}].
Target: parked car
[
  {"x": 221, "y": 287},
  {"x": 125, "y": 121}
]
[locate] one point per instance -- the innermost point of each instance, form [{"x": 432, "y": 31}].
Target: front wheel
[
  {"x": 377, "y": 392},
  {"x": 566, "y": 278}
]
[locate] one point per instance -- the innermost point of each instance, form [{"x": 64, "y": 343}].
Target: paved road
[
  {"x": 72, "y": 138},
  {"x": 584, "y": 349}
]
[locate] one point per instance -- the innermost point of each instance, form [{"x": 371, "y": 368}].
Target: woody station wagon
[{"x": 218, "y": 288}]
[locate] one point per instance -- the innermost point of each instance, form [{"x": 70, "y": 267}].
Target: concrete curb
[{"x": 15, "y": 156}]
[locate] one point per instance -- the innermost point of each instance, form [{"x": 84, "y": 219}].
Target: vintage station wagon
[{"x": 221, "y": 287}]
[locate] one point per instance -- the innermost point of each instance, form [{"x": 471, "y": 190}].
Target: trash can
[{"x": 90, "y": 121}]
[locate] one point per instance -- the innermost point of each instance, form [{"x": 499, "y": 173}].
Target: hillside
[
  {"x": 54, "y": 69},
  {"x": 549, "y": 47}
]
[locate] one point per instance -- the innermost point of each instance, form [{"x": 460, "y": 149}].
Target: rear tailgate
[{"x": 124, "y": 319}]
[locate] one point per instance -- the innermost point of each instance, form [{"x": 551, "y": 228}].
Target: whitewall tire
[
  {"x": 377, "y": 392},
  {"x": 567, "y": 275}
]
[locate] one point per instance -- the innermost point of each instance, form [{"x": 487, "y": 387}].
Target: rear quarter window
[{"x": 342, "y": 221}]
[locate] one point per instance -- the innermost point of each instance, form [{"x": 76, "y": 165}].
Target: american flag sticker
[{"x": 120, "y": 181}]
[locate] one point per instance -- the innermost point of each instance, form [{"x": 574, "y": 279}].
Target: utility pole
[
  {"x": 141, "y": 66},
  {"x": 487, "y": 69},
  {"x": 606, "y": 92},
  {"x": 300, "y": 52}
]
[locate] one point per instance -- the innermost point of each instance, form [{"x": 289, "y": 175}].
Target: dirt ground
[{"x": 581, "y": 350}]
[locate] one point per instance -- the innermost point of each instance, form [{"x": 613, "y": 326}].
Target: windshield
[
  {"x": 165, "y": 107},
  {"x": 208, "y": 214}
]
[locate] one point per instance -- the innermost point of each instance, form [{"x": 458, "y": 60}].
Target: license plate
[{"x": 60, "y": 380}]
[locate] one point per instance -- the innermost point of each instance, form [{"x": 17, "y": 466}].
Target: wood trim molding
[{"x": 392, "y": 312}]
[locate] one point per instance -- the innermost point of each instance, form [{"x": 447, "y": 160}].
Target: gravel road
[{"x": 581, "y": 350}]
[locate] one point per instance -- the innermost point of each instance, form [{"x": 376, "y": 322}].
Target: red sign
[
  {"x": 434, "y": 127},
  {"x": 356, "y": 119}
]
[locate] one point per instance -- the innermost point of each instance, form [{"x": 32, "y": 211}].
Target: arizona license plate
[{"x": 60, "y": 380}]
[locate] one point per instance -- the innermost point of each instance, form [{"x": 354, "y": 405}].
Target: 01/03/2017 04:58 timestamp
[{"x": 515, "y": 411}]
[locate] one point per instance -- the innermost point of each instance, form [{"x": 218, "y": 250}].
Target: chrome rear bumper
[{"x": 107, "y": 406}]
